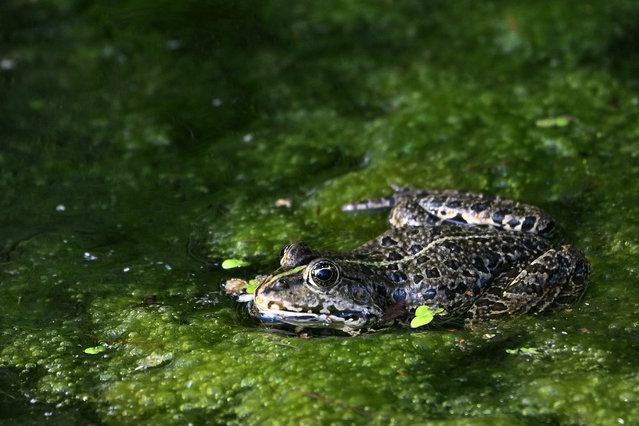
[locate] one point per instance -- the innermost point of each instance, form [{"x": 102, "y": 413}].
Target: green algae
[{"x": 146, "y": 142}]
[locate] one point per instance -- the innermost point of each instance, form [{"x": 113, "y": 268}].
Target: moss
[{"x": 146, "y": 142}]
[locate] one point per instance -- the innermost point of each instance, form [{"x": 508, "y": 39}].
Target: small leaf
[
  {"x": 423, "y": 315},
  {"x": 427, "y": 310},
  {"x": 95, "y": 350},
  {"x": 423, "y": 310},
  {"x": 512, "y": 351},
  {"x": 234, "y": 263},
  {"x": 561, "y": 121},
  {"x": 252, "y": 285},
  {"x": 420, "y": 320}
]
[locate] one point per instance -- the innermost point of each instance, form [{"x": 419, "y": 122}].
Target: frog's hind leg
[
  {"x": 370, "y": 204},
  {"x": 415, "y": 207},
  {"x": 407, "y": 210},
  {"x": 553, "y": 281},
  {"x": 405, "y": 204},
  {"x": 469, "y": 208}
]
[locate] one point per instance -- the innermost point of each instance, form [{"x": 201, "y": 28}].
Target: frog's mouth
[{"x": 340, "y": 320}]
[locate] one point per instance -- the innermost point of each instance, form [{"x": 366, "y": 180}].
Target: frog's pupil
[{"x": 323, "y": 273}]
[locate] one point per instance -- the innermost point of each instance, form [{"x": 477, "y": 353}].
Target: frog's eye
[{"x": 323, "y": 273}]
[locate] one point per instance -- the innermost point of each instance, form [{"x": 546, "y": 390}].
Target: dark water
[{"x": 143, "y": 142}]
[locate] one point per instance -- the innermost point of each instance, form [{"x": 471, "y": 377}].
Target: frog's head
[{"x": 321, "y": 292}]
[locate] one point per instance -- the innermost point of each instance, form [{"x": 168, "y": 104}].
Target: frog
[{"x": 472, "y": 258}]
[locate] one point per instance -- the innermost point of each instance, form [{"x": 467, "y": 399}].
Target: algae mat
[{"x": 142, "y": 143}]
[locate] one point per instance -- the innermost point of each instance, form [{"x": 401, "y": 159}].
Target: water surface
[{"x": 143, "y": 142}]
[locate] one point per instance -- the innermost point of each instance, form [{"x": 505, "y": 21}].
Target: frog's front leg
[
  {"x": 429, "y": 208},
  {"x": 553, "y": 281}
]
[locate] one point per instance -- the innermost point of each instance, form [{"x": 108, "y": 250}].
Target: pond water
[{"x": 144, "y": 142}]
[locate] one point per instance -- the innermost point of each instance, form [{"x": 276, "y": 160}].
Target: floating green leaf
[
  {"x": 419, "y": 321},
  {"x": 95, "y": 350},
  {"x": 424, "y": 315},
  {"x": 234, "y": 263},
  {"x": 561, "y": 121},
  {"x": 252, "y": 285},
  {"x": 525, "y": 351}
]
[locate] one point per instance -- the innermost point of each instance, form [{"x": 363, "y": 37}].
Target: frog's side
[{"x": 476, "y": 256}]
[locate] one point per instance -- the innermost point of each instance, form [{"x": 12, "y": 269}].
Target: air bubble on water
[
  {"x": 89, "y": 256},
  {"x": 7, "y": 64}
]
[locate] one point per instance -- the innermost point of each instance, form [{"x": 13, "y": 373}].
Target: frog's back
[{"x": 446, "y": 266}]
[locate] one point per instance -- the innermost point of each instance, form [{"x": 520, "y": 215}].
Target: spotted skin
[
  {"x": 477, "y": 257},
  {"x": 415, "y": 207}
]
